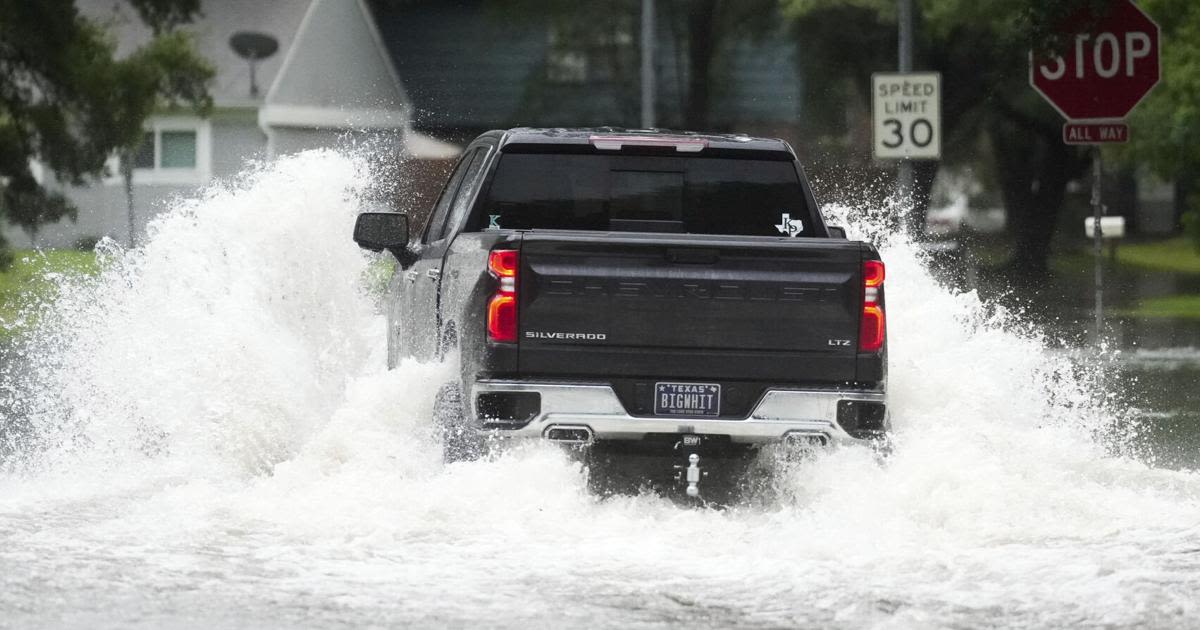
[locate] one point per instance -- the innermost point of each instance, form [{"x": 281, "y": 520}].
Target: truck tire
[{"x": 461, "y": 442}]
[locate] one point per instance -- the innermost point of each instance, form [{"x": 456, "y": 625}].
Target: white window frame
[{"x": 200, "y": 174}]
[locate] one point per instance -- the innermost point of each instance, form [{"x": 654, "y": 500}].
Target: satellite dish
[{"x": 253, "y": 47}]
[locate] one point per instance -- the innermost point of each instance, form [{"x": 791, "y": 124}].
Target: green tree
[
  {"x": 981, "y": 51},
  {"x": 66, "y": 100},
  {"x": 1165, "y": 129}
]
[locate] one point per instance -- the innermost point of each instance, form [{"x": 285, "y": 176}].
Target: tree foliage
[
  {"x": 165, "y": 15},
  {"x": 69, "y": 102},
  {"x": 1165, "y": 130}
]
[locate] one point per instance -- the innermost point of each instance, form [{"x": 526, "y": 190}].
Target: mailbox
[{"x": 1110, "y": 227}]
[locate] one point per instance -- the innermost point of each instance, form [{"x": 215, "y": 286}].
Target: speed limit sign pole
[
  {"x": 906, "y": 109},
  {"x": 1108, "y": 63},
  {"x": 904, "y": 172}
]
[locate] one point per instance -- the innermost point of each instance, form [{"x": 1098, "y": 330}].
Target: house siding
[{"x": 236, "y": 140}]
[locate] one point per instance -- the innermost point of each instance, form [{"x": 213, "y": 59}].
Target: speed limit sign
[{"x": 907, "y": 113}]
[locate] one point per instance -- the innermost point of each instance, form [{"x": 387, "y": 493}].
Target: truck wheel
[{"x": 461, "y": 442}]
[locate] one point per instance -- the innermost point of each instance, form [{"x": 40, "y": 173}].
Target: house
[
  {"x": 330, "y": 79},
  {"x": 407, "y": 73}
]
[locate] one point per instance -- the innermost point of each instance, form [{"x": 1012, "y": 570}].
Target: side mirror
[
  {"x": 836, "y": 232},
  {"x": 378, "y": 231}
]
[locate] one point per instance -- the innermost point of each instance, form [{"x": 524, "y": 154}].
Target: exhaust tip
[
  {"x": 569, "y": 434},
  {"x": 807, "y": 439}
]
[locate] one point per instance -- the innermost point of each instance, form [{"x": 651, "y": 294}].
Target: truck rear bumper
[{"x": 568, "y": 412}]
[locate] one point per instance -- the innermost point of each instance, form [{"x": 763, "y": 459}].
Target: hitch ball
[{"x": 693, "y": 475}]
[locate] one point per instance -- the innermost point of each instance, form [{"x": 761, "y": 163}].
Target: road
[{"x": 213, "y": 441}]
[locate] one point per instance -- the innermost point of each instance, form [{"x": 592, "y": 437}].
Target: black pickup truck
[{"x": 673, "y": 294}]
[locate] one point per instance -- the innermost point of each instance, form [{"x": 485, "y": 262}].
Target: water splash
[
  {"x": 210, "y": 420},
  {"x": 228, "y": 336}
]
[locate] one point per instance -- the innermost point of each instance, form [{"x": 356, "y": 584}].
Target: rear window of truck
[{"x": 696, "y": 195}]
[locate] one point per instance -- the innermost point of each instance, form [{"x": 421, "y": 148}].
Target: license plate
[{"x": 687, "y": 399}]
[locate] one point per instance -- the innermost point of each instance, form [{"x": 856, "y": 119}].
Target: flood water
[{"x": 205, "y": 436}]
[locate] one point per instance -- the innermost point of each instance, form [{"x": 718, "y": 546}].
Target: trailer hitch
[{"x": 691, "y": 475}]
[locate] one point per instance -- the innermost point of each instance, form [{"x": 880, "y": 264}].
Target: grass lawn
[
  {"x": 25, "y": 280},
  {"x": 1169, "y": 306},
  {"x": 1177, "y": 254}
]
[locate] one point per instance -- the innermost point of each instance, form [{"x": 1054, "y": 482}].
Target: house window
[
  {"x": 177, "y": 149},
  {"x": 173, "y": 150},
  {"x": 166, "y": 149}
]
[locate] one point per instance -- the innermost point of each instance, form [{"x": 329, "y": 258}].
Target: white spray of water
[
  {"x": 217, "y": 441},
  {"x": 228, "y": 338}
]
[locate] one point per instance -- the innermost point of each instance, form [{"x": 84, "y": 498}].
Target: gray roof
[
  {"x": 339, "y": 62},
  {"x": 219, "y": 20}
]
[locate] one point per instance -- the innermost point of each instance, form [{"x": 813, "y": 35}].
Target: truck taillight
[
  {"x": 503, "y": 264},
  {"x": 872, "y": 330}
]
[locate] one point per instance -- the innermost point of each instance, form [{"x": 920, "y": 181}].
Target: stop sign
[{"x": 1102, "y": 73}]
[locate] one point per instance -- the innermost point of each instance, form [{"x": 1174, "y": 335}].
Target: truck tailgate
[{"x": 689, "y": 306}]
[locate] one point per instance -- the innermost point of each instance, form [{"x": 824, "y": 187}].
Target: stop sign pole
[{"x": 1108, "y": 65}]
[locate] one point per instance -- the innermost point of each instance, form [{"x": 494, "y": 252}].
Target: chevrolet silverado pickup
[{"x": 643, "y": 293}]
